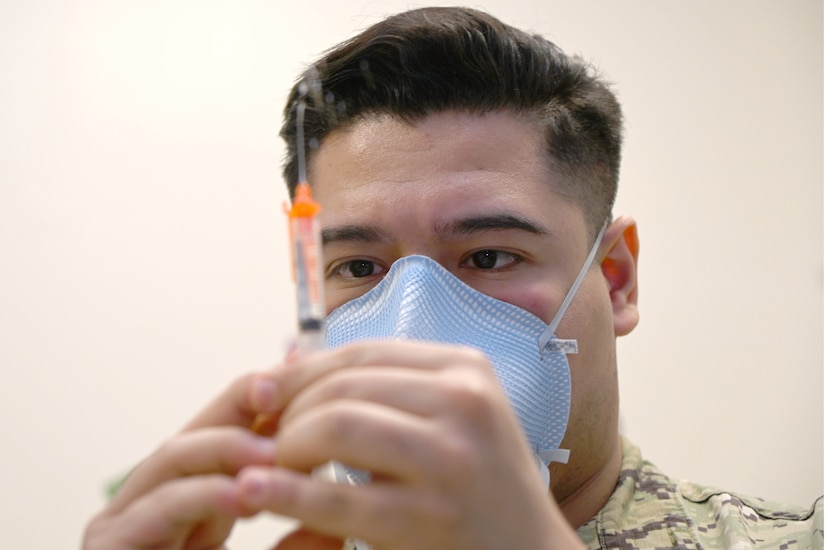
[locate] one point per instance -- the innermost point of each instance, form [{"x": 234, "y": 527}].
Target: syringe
[
  {"x": 307, "y": 262},
  {"x": 308, "y": 272},
  {"x": 307, "y": 266}
]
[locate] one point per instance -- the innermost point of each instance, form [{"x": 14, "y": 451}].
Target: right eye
[{"x": 356, "y": 269}]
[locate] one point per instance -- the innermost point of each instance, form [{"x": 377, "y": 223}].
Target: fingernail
[
  {"x": 263, "y": 393},
  {"x": 253, "y": 486}
]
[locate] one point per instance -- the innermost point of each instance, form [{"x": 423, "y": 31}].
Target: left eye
[{"x": 491, "y": 259}]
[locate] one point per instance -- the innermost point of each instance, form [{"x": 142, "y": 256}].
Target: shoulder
[
  {"x": 650, "y": 510},
  {"x": 724, "y": 518}
]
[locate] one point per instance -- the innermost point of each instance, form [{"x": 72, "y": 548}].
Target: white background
[{"x": 143, "y": 258}]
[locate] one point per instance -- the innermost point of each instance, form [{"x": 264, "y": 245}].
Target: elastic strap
[{"x": 547, "y": 336}]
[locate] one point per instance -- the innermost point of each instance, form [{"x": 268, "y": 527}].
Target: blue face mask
[{"x": 420, "y": 300}]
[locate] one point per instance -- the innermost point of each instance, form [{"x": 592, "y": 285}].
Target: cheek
[
  {"x": 593, "y": 369},
  {"x": 590, "y": 315},
  {"x": 590, "y": 320},
  {"x": 539, "y": 301}
]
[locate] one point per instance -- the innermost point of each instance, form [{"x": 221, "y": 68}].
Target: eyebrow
[
  {"x": 467, "y": 226},
  {"x": 353, "y": 233},
  {"x": 464, "y": 226}
]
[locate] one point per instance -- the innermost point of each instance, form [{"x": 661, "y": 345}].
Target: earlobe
[{"x": 620, "y": 253}]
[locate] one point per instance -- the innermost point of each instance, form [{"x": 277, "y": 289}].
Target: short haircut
[{"x": 432, "y": 60}]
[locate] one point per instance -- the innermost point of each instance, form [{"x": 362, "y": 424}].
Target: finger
[
  {"x": 233, "y": 407},
  {"x": 207, "y": 451},
  {"x": 302, "y": 539},
  {"x": 297, "y": 374},
  {"x": 168, "y": 513},
  {"x": 373, "y": 513},
  {"x": 362, "y": 435},
  {"x": 413, "y": 391}
]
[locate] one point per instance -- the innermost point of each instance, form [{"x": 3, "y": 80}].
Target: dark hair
[{"x": 430, "y": 60}]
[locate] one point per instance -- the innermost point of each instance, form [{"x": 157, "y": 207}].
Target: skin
[{"x": 429, "y": 420}]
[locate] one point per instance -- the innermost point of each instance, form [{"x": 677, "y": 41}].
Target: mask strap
[{"x": 569, "y": 346}]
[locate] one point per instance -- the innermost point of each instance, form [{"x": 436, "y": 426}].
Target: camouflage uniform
[{"x": 649, "y": 510}]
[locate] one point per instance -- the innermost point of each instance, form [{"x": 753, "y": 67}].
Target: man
[{"x": 476, "y": 283}]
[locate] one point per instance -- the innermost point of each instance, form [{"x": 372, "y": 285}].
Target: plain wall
[{"x": 143, "y": 258}]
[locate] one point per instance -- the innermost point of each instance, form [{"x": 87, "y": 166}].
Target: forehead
[
  {"x": 446, "y": 164},
  {"x": 494, "y": 141}
]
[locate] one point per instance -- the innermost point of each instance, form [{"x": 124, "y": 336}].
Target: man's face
[{"x": 475, "y": 194}]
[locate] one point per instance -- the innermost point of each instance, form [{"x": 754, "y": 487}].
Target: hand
[
  {"x": 451, "y": 467},
  {"x": 185, "y": 494}
]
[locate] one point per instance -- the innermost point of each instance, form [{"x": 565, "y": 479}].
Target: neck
[{"x": 590, "y": 497}]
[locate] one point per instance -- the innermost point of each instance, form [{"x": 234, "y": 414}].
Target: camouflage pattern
[{"x": 649, "y": 510}]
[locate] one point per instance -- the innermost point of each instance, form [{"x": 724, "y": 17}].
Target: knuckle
[
  {"x": 475, "y": 356},
  {"x": 465, "y": 356},
  {"x": 331, "y": 423},
  {"x": 284, "y": 376},
  {"x": 337, "y": 386},
  {"x": 242, "y": 384},
  {"x": 475, "y": 396},
  {"x": 351, "y": 351},
  {"x": 458, "y": 458},
  {"x": 340, "y": 423}
]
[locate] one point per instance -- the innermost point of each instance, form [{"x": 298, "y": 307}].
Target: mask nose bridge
[
  {"x": 417, "y": 285},
  {"x": 414, "y": 264},
  {"x": 414, "y": 269}
]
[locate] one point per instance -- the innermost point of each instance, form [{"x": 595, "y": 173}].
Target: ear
[{"x": 620, "y": 256}]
